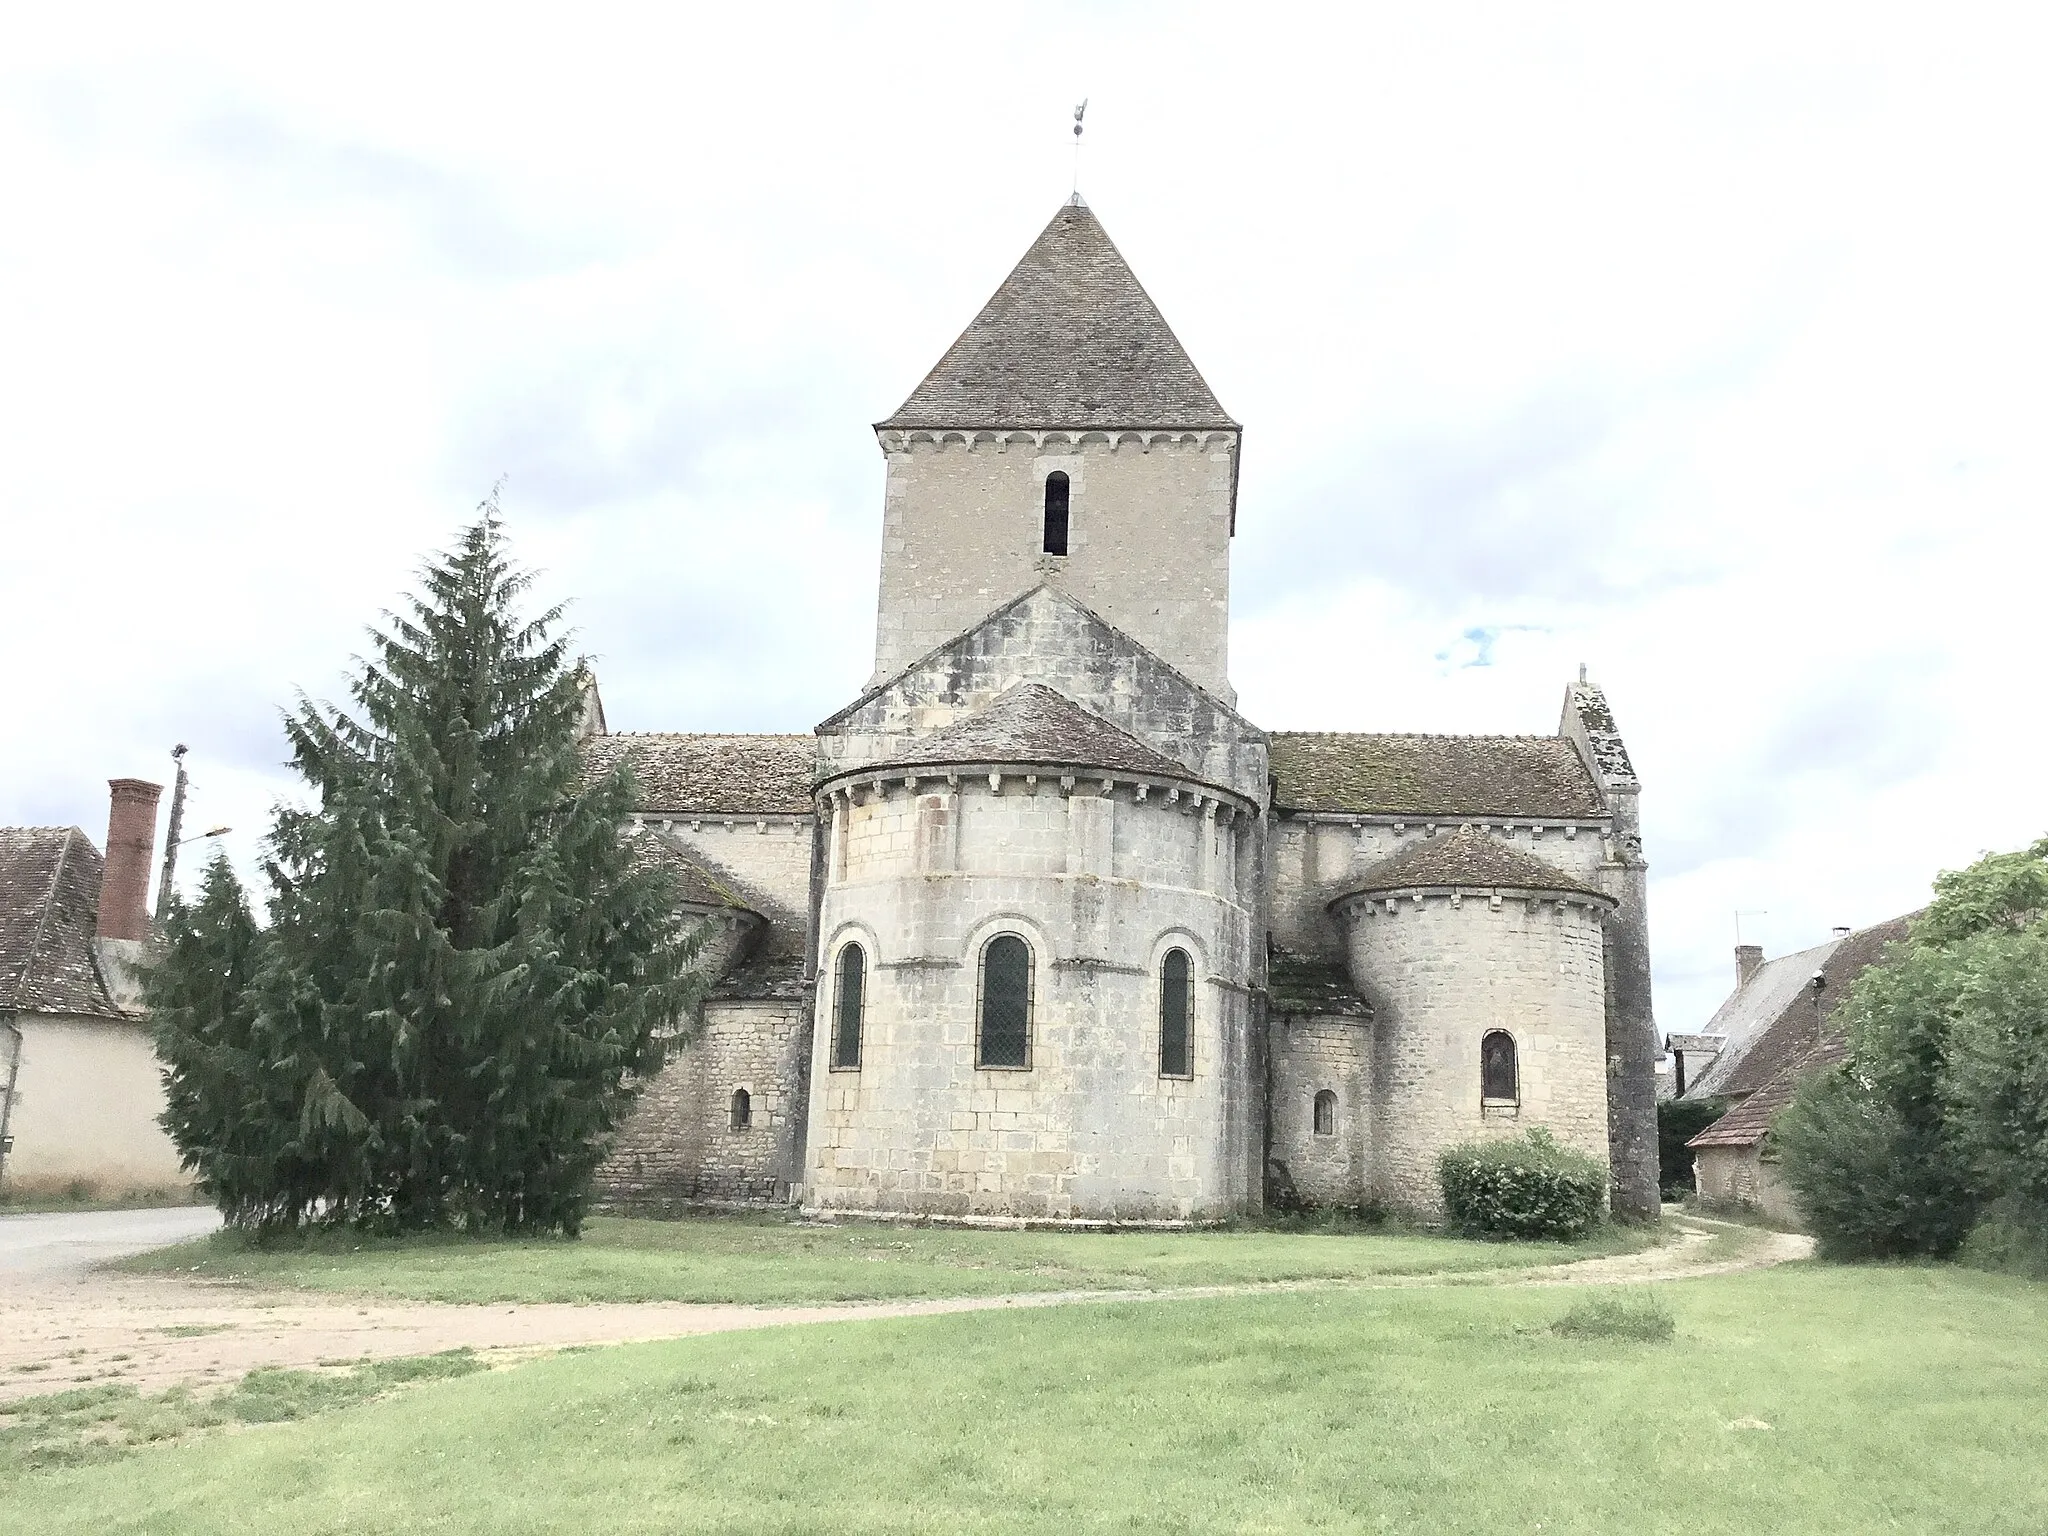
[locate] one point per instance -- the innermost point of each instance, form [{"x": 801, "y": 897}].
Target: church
[{"x": 1039, "y": 928}]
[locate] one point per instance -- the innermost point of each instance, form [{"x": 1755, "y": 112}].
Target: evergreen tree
[{"x": 464, "y": 971}]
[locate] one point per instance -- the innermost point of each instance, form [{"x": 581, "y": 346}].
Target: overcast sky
[{"x": 1708, "y": 351}]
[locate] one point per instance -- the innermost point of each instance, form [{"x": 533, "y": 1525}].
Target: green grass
[
  {"x": 85, "y": 1195},
  {"x": 768, "y": 1260},
  {"x": 102, "y": 1423},
  {"x": 1809, "y": 1398},
  {"x": 1643, "y": 1316}
]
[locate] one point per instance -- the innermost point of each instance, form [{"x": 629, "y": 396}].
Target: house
[{"x": 80, "y": 1087}]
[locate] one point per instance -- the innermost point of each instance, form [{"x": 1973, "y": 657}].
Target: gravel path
[{"x": 66, "y": 1323}]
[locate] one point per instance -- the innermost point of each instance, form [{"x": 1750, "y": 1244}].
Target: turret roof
[
  {"x": 1468, "y": 858},
  {"x": 1032, "y": 724},
  {"x": 1070, "y": 339}
]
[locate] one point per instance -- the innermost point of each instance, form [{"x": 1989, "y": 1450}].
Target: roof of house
[
  {"x": 1469, "y": 858},
  {"x": 1749, "y": 1122},
  {"x": 711, "y": 775},
  {"x": 1535, "y": 777},
  {"x": 1310, "y": 984},
  {"x": 695, "y": 885},
  {"x": 1070, "y": 339},
  {"x": 1035, "y": 724},
  {"x": 49, "y": 910},
  {"x": 1771, "y": 1020}
]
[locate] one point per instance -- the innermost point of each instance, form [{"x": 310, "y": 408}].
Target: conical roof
[
  {"x": 1468, "y": 858},
  {"x": 1032, "y": 724},
  {"x": 1071, "y": 339}
]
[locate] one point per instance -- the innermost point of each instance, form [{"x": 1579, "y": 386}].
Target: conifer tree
[{"x": 464, "y": 971}]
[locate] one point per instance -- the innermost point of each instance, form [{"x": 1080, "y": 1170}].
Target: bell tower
[{"x": 1066, "y": 439}]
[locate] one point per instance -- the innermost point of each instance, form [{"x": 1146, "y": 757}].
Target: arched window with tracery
[
  {"x": 1176, "y": 1014},
  {"x": 742, "y": 1109},
  {"x": 1499, "y": 1080},
  {"x": 1057, "y": 492},
  {"x": 1326, "y": 1113},
  {"x": 1002, "y": 1037},
  {"x": 849, "y": 1001}
]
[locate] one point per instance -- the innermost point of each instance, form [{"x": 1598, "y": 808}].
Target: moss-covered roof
[
  {"x": 1034, "y": 724},
  {"x": 1432, "y": 776},
  {"x": 1310, "y": 984},
  {"x": 711, "y": 775},
  {"x": 1467, "y": 858}
]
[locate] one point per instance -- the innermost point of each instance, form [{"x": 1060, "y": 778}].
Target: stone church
[{"x": 1040, "y": 927}]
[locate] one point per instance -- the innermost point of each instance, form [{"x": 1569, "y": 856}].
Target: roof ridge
[{"x": 1436, "y": 735}]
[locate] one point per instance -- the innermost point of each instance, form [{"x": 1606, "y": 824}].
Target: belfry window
[
  {"x": 1003, "y": 1034},
  {"x": 1176, "y": 1013},
  {"x": 1056, "y": 493},
  {"x": 1499, "y": 1082},
  {"x": 742, "y": 1109},
  {"x": 849, "y": 998},
  {"x": 1326, "y": 1113}
]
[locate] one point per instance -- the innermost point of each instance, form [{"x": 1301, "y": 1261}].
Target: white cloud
[{"x": 1704, "y": 350}]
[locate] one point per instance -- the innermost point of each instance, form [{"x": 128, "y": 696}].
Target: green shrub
[
  {"x": 1639, "y": 1315},
  {"x": 1529, "y": 1188},
  {"x": 2012, "y": 1238},
  {"x": 1678, "y": 1121}
]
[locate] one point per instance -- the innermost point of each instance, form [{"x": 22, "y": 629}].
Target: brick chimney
[
  {"x": 131, "y": 843},
  {"x": 1749, "y": 959}
]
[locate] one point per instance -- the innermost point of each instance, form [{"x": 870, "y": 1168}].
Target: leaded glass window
[
  {"x": 849, "y": 998},
  {"x": 1497, "y": 1076},
  {"x": 1176, "y": 1014},
  {"x": 1004, "y": 1036}
]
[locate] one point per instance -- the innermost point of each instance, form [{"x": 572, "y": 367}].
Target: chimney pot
[
  {"x": 131, "y": 844},
  {"x": 1749, "y": 959},
  {"x": 1842, "y": 931}
]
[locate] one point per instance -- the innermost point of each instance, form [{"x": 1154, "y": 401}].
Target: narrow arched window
[
  {"x": 1056, "y": 494},
  {"x": 1326, "y": 1113},
  {"x": 849, "y": 997},
  {"x": 1003, "y": 1038},
  {"x": 1176, "y": 1013},
  {"x": 1498, "y": 1081},
  {"x": 742, "y": 1109}
]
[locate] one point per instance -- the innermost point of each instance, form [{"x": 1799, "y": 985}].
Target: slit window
[
  {"x": 1056, "y": 495},
  {"x": 1326, "y": 1113},
  {"x": 1003, "y": 1035},
  {"x": 1176, "y": 1013},
  {"x": 849, "y": 999},
  {"x": 1498, "y": 1080},
  {"x": 742, "y": 1109}
]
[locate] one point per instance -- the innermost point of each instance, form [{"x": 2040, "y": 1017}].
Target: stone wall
[
  {"x": 1149, "y": 540},
  {"x": 1740, "y": 1176},
  {"x": 765, "y": 861},
  {"x": 678, "y": 1146},
  {"x": 1099, "y": 886},
  {"x": 1309, "y": 1055},
  {"x": 1441, "y": 970}
]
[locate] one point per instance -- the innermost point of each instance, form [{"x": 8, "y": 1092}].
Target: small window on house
[
  {"x": 1326, "y": 1113},
  {"x": 1498, "y": 1083},
  {"x": 849, "y": 997},
  {"x": 1176, "y": 1011},
  {"x": 742, "y": 1109},
  {"x": 1056, "y": 492},
  {"x": 1003, "y": 1038}
]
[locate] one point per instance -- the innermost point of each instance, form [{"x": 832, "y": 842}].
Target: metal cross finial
[{"x": 1079, "y": 113}]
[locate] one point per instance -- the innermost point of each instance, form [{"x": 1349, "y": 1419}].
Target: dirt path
[{"x": 74, "y": 1329}]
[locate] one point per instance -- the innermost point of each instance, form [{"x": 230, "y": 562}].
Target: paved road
[{"x": 64, "y": 1245}]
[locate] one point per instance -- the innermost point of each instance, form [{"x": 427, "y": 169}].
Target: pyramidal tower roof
[{"x": 1071, "y": 339}]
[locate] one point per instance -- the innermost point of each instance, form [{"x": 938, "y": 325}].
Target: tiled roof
[
  {"x": 1034, "y": 724},
  {"x": 1466, "y": 857},
  {"x": 711, "y": 775},
  {"x": 1309, "y": 984},
  {"x": 695, "y": 886},
  {"x": 1070, "y": 340},
  {"x": 763, "y": 979},
  {"x": 49, "y": 908},
  {"x": 1750, "y": 1121},
  {"x": 1436, "y": 776}
]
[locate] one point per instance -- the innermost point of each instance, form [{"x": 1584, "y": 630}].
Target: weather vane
[{"x": 1079, "y": 113}]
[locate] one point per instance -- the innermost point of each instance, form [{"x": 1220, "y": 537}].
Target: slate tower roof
[{"x": 1071, "y": 339}]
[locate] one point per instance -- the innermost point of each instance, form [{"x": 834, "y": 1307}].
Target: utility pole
[{"x": 163, "y": 890}]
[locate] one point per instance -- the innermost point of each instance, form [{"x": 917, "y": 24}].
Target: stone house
[
  {"x": 1040, "y": 927},
  {"x": 1777, "y": 1026},
  {"x": 80, "y": 1086}
]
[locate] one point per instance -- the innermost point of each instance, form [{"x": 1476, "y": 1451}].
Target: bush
[
  {"x": 1678, "y": 1121},
  {"x": 1528, "y": 1188},
  {"x": 1641, "y": 1315},
  {"x": 2012, "y": 1238}
]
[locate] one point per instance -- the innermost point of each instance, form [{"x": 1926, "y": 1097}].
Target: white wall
[{"x": 86, "y": 1106}]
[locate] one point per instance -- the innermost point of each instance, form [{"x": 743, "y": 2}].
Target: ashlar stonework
[{"x": 1040, "y": 928}]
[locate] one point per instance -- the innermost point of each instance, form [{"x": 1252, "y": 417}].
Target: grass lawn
[
  {"x": 770, "y": 1260},
  {"x": 1809, "y": 1398}
]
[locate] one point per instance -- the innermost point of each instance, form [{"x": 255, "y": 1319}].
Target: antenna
[
  {"x": 1741, "y": 913},
  {"x": 1079, "y": 113}
]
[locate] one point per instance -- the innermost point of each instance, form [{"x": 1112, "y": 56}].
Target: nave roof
[{"x": 1436, "y": 777}]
